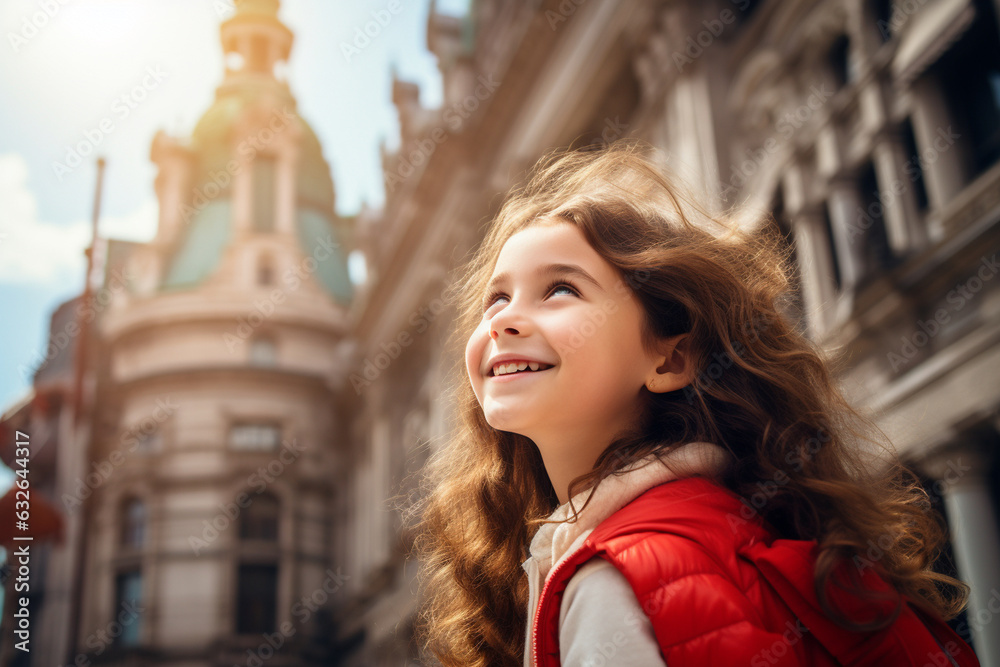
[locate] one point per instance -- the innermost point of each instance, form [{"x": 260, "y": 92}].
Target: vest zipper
[{"x": 549, "y": 578}]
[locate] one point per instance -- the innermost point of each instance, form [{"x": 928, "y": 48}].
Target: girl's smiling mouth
[
  {"x": 509, "y": 377},
  {"x": 510, "y": 363},
  {"x": 512, "y": 367}
]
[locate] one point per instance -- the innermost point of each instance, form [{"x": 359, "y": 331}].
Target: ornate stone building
[
  {"x": 210, "y": 488},
  {"x": 871, "y": 129},
  {"x": 222, "y": 517},
  {"x": 249, "y": 412}
]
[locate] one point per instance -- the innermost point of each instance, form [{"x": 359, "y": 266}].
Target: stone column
[
  {"x": 286, "y": 206},
  {"x": 816, "y": 270},
  {"x": 944, "y": 169},
  {"x": 242, "y": 193},
  {"x": 962, "y": 479},
  {"x": 848, "y": 231},
  {"x": 903, "y": 223}
]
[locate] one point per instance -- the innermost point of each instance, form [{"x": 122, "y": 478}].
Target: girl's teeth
[{"x": 515, "y": 366}]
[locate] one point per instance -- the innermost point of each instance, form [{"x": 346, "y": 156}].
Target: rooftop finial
[
  {"x": 265, "y": 7},
  {"x": 256, "y": 33}
]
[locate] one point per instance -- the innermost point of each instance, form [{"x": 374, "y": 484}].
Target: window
[
  {"x": 257, "y": 593},
  {"x": 882, "y": 13},
  {"x": 257, "y": 585},
  {"x": 263, "y": 352},
  {"x": 913, "y": 167},
  {"x": 970, "y": 80},
  {"x": 839, "y": 61},
  {"x": 265, "y": 272},
  {"x": 128, "y": 596},
  {"x": 870, "y": 229},
  {"x": 234, "y": 61},
  {"x": 148, "y": 441},
  {"x": 262, "y": 437},
  {"x": 834, "y": 259},
  {"x": 744, "y": 9},
  {"x": 264, "y": 188},
  {"x": 259, "y": 520},
  {"x": 133, "y": 534}
]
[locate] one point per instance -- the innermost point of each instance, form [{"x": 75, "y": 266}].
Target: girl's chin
[
  {"x": 505, "y": 425},
  {"x": 506, "y": 422}
]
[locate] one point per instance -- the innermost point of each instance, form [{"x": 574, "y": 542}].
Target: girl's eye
[
  {"x": 565, "y": 285},
  {"x": 490, "y": 299},
  {"x": 553, "y": 287}
]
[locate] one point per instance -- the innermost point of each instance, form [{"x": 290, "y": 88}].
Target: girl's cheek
[
  {"x": 474, "y": 350},
  {"x": 469, "y": 358}
]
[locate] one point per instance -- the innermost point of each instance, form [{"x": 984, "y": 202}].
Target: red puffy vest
[{"x": 720, "y": 589}]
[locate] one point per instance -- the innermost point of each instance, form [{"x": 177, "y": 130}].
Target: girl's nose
[
  {"x": 495, "y": 333},
  {"x": 509, "y": 320},
  {"x": 495, "y": 330}
]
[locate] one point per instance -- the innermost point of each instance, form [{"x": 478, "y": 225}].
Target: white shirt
[
  {"x": 602, "y": 623},
  {"x": 554, "y": 542}
]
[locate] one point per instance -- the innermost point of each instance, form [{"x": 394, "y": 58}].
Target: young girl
[{"x": 653, "y": 466}]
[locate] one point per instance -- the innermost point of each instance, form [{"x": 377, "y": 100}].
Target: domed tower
[{"x": 212, "y": 500}]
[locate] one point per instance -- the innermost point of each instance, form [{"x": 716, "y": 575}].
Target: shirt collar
[{"x": 554, "y": 541}]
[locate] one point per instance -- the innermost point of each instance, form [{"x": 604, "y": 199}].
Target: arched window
[
  {"x": 259, "y": 521},
  {"x": 133, "y": 535}
]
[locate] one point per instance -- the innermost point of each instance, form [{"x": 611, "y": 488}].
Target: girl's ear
[{"x": 674, "y": 368}]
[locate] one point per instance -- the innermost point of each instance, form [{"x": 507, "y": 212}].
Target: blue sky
[{"x": 60, "y": 81}]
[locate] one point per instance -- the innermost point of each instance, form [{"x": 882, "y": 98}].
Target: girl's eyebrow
[{"x": 547, "y": 269}]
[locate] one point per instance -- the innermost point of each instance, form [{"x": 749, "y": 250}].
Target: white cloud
[{"x": 34, "y": 251}]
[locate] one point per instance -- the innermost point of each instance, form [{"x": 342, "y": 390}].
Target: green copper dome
[
  {"x": 253, "y": 114},
  {"x": 210, "y": 231},
  {"x": 216, "y": 141},
  {"x": 207, "y": 236}
]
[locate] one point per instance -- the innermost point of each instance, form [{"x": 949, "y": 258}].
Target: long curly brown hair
[{"x": 762, "y": 390}]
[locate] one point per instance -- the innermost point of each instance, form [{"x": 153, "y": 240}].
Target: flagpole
[
  {"x": 83, "y": 336},
  {"x": 76, "y": 535}
]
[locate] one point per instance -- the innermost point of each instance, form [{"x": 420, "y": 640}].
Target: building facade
[
  {"x": 224, "y": 366},
  {"x": 211, "y": 470},
  {"x": 252, "y": 421},
  {"x": 871, "y": 131}
]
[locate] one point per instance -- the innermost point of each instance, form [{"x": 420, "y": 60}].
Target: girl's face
[{"x": 555, "y": 301}]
